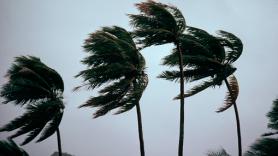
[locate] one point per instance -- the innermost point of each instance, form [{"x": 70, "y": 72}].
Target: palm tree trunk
[
  {"x": 237, "y": 120},
  {"x": 140, "y": 129},
  {"x": 59, "y": 142},
  {"x": 181, "y": 136}
]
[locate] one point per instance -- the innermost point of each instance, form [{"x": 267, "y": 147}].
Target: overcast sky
[{"x": 55, "y": 30}]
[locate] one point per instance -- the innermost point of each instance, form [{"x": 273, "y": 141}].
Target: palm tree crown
[
  {"x": 115, "y": 63},
  {"x": 33, "y": 83},
  {"x": 157, "y": 24},
  {"x": 206, "y": 56}
]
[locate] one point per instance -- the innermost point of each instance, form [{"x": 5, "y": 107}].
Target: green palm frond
[
  {"x": 134, "y": 95},
  {"x": 221, "y": 152},
  {"x": 232, "y": 44},
  {"x": 34, "y": 120},
  {"x": 230, "y": 97},
  {"x": 30, "y": 80},
  {"x": 264, "y": 147},
  {"x": 115, "y": 63},
  {"x": 157, "y": 23},
  {"x": 211, "y": 43},
  {"x": 189, "y": 74},
  {"x": 10, "y": 148},
  {"x": 201, "y": 87},
  {"x": 273, "y": 116}
]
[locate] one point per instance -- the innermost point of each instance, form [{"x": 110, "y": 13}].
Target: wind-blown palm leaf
[
  {"x": 230, "y": 97},
  {"x": 34, "y": 120},
  {"x": 157, "y": 24},
  {"x": 264, "y": 147},
  {"x": 211, "y": 43},
  {"x": 115, "y": 62},
  {"x": 273, "y": 116},
  {"x": 30, "y": 80},
  {"x": 273, "y": 119},
  {"x": 10, "y": 148},
  {"x": 232, "y": 44},
  {"x": 221, "y": 152}
]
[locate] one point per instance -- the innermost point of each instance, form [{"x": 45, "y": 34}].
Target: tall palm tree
[
  {"x": 273, "y": 119},
  {"x": 115, "y": 63},
  {"x": 210, "y": 57},
  {"x": 10, "y": 148},
  {"x": 32, "y": 83},
  {"x": 159, "y": 24}
]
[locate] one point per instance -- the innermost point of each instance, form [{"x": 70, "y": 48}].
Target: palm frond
[
  {"x": 201, "y": 87},
  {"x": 31, "y": 80},
  {"x": 232, "y": 44},
  {"x": 133, "y": 97},
  {"x": 52, "y": 126},
  {"x": 189, "y": 74},
  {"x": 230, "y": 97},
  {"x": 211, "y": 43},
  {"x": 270, "y": 134},
  {"x": 263, "y": 147},
  {"x": 10, "y": 148},
  {"x": 273, "y": 116},
  {"x": 198, "y": 88},
  {"x": 35, "y": 118}
]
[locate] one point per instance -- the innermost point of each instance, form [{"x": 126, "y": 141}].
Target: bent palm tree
[
  {"x": 33, "y": 83},
  {"x": 115, "y": 63},
  {"x": 210, "y": 57},
  {"x": 160, "y": 24},
  {"x": 10, "y": 148}
]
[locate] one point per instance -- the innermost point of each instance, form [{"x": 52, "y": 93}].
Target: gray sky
[{"x": 54, "y": 31}]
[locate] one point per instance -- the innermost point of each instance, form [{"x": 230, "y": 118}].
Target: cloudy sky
[{"x": 55, "y": 30}]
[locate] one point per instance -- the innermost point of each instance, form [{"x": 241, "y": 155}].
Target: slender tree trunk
[
  {"x": 59, "y": 142},
  {"x": 237, "y": 119},
  {"x": 140, "y": 130},
  {"x": 181, "y": 136}
]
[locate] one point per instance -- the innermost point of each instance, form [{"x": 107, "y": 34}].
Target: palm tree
[
  {"x": 210, "y": 57},
  {"x": 115, "y": 63},
  {"x": 221, "y": 152},
  {"x": 273, "y": 119},
  {"x": 32, "y": 83},
  {"x": 9, "y": 147},
  {"x": 159, "y": 24}
]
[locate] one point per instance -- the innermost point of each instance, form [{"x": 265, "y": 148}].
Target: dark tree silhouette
[
  {"x": 267, "y": 146},
  {"x": 115, "y": 63},
  {"x": 10, "y": 148},
  {"x": 221, "y": 152},
  {"x": 32, "y": 83},
  {"x": 273, "y": 119},
  {"x": 159, "y": 24},
  {"x": 210, "y": 57},
  {"x": 264, "y": 147}
]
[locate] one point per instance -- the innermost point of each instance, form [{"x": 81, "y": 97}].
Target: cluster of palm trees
[{"x": 116, "y": 68}]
